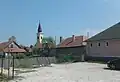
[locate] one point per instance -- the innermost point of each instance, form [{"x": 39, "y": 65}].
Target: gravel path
[{"x": 76, "y": 72}]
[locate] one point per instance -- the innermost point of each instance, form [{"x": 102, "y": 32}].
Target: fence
[
  {"x": 6, "y": 64},
  {"x": 35, "y": 61},
  {"x": 28, "y": 62}
]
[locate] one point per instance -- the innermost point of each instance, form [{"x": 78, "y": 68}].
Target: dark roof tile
[{"x": 111, "y": 33}]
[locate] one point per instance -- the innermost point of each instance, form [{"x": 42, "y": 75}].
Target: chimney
[
  {"x": 87, "y": 34},
  {"x": 73, "y": 38},
  {"x": 61, "y": 39}
]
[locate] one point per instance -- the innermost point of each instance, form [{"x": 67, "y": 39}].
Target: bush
[{"x": 64, "y": 58}]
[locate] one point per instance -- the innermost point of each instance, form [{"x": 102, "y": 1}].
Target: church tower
[{"x": 39, "y": 34}]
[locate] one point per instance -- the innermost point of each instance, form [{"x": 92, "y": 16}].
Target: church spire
[
  {"x": 39, "y": 34},
  {"x": 39, "y": 28}
]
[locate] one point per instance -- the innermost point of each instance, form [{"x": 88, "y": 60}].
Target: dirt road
[{"x": 76, "y": 72}]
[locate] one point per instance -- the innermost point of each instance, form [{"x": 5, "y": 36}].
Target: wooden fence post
[
  {"x": 13, "y": 67},
  {"x": 2, "y": 65},
  {"x": 8, "y": 66}
]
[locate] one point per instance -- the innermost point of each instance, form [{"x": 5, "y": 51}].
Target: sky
[{"x": 20, "y": 18}]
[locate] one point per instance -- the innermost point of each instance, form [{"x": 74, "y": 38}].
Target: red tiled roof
[
  {"x": 4, "y": 47},
  {"x": 69, "y": 42},
  {"x": 14, "y": 50},
  {"x": 4, "y": 44},
  {"x": 28, "y": 49}
]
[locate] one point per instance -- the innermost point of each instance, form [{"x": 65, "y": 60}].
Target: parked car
[{"x": 114, "y": 64}]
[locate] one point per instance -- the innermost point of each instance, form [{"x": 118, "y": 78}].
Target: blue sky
[{"x": 58, "y": 18}]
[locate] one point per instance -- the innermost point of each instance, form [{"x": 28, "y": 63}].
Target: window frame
[
  {"x": 91, "y": 45},
  {"x": 106, "y": 44},
  {"x": 41, "y": 37},
  {"x": 11, "y": 46},
  {"x": 98, "y": 44}
]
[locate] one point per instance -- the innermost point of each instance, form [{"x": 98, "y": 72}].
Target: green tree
[{"x": 49, "y": 42}]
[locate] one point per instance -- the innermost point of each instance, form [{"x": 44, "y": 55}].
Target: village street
[{"x": 76, "y": 72}]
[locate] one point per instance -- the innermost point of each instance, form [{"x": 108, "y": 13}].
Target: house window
[
  {"x": 41, "y": 37},
  {"x": 98, "y": 44},
  {"x": 106, "y": 43},
  {"x": 11, "y": 46},
  {"x": 91, "y": 44}
]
